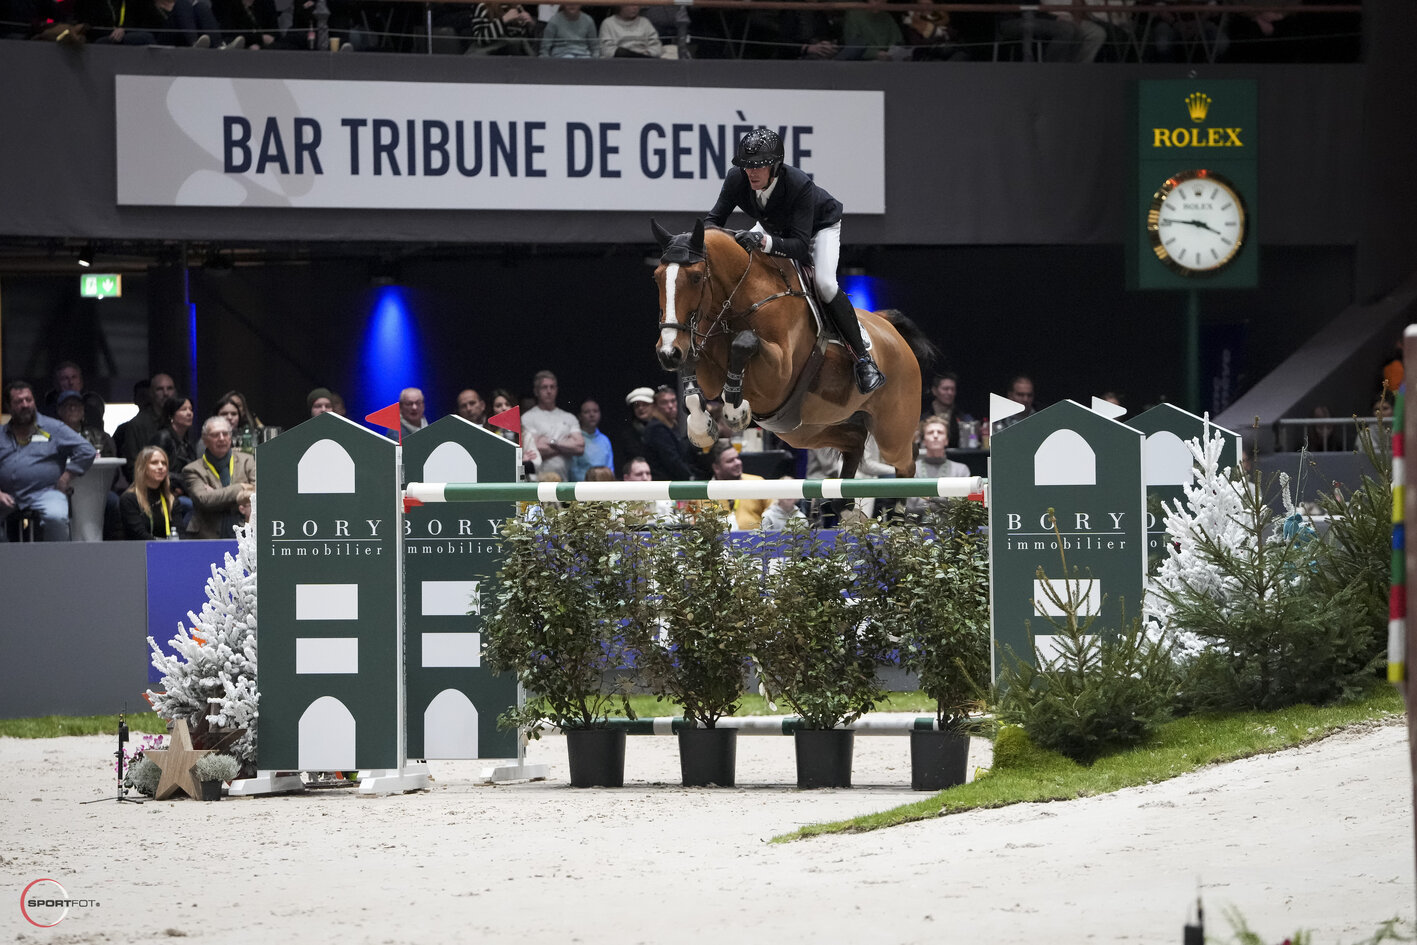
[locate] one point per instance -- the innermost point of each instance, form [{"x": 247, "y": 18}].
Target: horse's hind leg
[{"x": 737, "y": 411}]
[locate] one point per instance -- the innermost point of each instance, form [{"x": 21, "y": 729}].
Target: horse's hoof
[
  {"x": 701, "y": 435},
  {"x": 737, "y": 417}
]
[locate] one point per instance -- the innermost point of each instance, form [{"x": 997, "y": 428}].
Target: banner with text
[{"x": 224, "y": 142}]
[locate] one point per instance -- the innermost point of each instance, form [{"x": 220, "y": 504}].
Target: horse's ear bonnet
[{"x": 686, "y": 248}]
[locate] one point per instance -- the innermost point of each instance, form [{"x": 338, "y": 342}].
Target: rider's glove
[{"x": 749, "y": 239}]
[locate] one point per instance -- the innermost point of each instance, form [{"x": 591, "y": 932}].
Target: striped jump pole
[
  {"x": 876, "y": 724},
  {"x": 957, "y": 487}
]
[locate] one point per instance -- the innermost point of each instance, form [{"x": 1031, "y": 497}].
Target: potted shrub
[
  {"x": 572, "y": 609},
  {"x": 939, "y": 614},
  {"x": 817, "y": 653},
  {"x": 709, "y": 601},
  {"x": 212, "y": 770}
]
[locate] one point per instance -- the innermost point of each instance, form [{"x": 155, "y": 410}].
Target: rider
[{"x": 794, "y": 217}]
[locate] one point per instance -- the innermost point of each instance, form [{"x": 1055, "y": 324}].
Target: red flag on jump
[
  {"x": 388, "y": 418},
  {"x": 507, "y": 420}
]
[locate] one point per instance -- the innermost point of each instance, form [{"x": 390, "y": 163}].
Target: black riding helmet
[{"x": 761, "y": 147}]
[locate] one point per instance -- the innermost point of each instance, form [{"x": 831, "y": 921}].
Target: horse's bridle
[{"x": 722, "y": 325}]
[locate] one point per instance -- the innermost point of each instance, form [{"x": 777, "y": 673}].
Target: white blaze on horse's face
[{"x": 667, "y": 335}]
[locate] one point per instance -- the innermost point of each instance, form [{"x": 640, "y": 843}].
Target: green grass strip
[
  {"x": 55, "y": 726},
  {"x": 1024, "y": 773}
]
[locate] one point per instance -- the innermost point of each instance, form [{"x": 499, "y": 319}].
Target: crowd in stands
[
  {"x": 1060, "y": 31},
  {"x": 191, "y": 473}
]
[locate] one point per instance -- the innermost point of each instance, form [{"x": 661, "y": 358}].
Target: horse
[{"x": 739, "y": 325}]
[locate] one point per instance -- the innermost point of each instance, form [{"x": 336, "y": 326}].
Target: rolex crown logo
[{"x": 1198, "y": 103}]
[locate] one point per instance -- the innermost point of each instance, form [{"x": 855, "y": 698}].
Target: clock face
[{"x": 1196, "y": 223}]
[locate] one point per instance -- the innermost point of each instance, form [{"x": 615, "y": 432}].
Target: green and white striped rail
[
  {"x": 949, "y": 487},
  {"x": 881, "y": 723}
]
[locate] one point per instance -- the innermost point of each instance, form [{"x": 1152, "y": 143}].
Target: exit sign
[{"x": 100, "y": 286}]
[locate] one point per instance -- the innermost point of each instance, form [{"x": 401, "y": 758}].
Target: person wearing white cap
[{"x": 631, "y": 441}]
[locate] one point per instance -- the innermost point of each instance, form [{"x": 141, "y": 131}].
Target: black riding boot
[{"x": 843, "y": 316}]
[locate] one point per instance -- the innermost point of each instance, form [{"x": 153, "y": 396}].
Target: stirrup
[{"x": 868, "y": 376}]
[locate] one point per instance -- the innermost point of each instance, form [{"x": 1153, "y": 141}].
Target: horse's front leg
[
  {"x": 737, "y": 412},
  {"x": 703, "y": 431}
]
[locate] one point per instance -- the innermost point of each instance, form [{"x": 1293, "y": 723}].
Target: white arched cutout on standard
[
  {"x": 326, "y": 736},
  {"x": 450, "y": 727},
  {"x": 450, "y": 462},
  {"x": 1166, "y": 460},
  {"x": 1064, "y": 459},
  {"x": 325, "y": 467}
]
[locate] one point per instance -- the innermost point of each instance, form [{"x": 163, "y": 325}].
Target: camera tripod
[{"x": 122, "y": 791}]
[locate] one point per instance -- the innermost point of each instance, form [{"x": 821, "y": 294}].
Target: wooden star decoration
[{"x": 177, "y": 761}]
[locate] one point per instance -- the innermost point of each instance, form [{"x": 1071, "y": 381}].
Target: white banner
[{"x": 221, "y": 142}]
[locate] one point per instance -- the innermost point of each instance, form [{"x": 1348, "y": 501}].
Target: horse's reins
[{"x": 726, "y": 315}]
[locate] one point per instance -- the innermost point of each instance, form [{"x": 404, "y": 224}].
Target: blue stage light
[
  {"x": 861, "y": 289},
  {"x": 392, "y": 356}
]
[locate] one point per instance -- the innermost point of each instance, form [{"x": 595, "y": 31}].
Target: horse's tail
[{"x": 921, "y": 346}]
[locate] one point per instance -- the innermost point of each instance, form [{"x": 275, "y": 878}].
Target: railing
[{"x": 1342, "y": 433}]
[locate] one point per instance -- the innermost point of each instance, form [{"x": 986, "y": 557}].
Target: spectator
[
  {"x": 496, "y": 29},
  {"x": 38, "y": 458},
  {"x": 337, "y": 402},
  {"x": 177, "y": 439},
  {"x": 930, "y": 37},
  {"x": 115, "y": 22},
  {"x": 411, "y": 407},
  {"x": 597, "y": 445},
  {"x": 600, "y": 474},
  {"x": 1320, "y": 437},
  {"x": 70, "y": 409},
  {"x": 1020, "y": 391},
  {"x": 254, "y": 24},
  {"x": 245, "y": 425},
  {"x": 138, "y": 432},
  {"x": 781, "y": 512},
  {"x": 632, "y": 442},
  {"x": 944, "y": 389},
  {"x": 811, "y": 34},
  {"x": 551, "y": 436},
  {"x": 637, "y": 469},
  {"x": 747, "y": 513},
  {"x": 932, "y": 462},
  {"x": 220, "y": 484},
  {"x": 471, "y": 407},
  {"x": 627, "y": 35},
  {"x": 67, "y": 376},
  {"x": 873, "y": 33},
  {"x": 147, "y": 510},
  {"x": 319, "y": 401},
  {"x": 570, "y": 34},
  {"x": 185, "y": 23},
  {"x": 660, "y": 444}
]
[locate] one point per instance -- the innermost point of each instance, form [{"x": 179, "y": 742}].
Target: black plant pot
[
  {"x": 708, "y": 756},
  {"x": 824, "y": 757},
  {"x": 211, "y": 790},
  {"x": 938, "y": 760},
  {"x": 597, "y": 757}
]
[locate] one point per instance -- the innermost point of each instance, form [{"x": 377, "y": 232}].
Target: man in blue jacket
[
  {"x": 38, "y": 457},
  {"x": 795, "y": 218}
]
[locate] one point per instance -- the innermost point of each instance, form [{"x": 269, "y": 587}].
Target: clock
[{"x": 1196, "y": 223}]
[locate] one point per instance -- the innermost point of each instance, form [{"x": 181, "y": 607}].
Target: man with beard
[{"x": 38, "y": 458}]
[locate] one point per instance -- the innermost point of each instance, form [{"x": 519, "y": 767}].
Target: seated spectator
[
  {"x": 70, "y": 409},
  {"x": 220, "y": 484},
  {"x": 932, "y": 462},
  {"x": 636, "y": 469},
  {"x": 502, "y": 401},
  {"x": 471, "y": 407},
  {"x": 1020, "y": 391},
  {"x": 245, "y": 426},
  {"x": 177, "y": 439},
  {"x": 67, "y": 376},
  {"x": 496, "y": 29},
  {"x": 185, "y": 23},
  {"x": 254, "y": 24},
  {"x": 570, "y": 34},
  {"x": 411, "y": 412},
  {"x": 781, "y": 512},
  {"x": 747, "y": 513},
  {"x": 599, "y": 474},
  {"x": 598, "y": 452},
  {"x": 873, "y": 33},
  {"x": 319, "y": 401},
  {"x": 148, "y": 509},
  {"x": 811, "y": 34},
  {"x": 931, "y": 38},
  {"x": 551, "y": 437},
  {"x": 627, "y": 35},
  {"x": 38, "y": 458},
  {"x": 1321, "y": 438},
  {"x": 111, "y": 22},
  {"x": 138, "y": 431},
  {"x": 337, "y": 404},
  {"x": 661, "y": 446}
]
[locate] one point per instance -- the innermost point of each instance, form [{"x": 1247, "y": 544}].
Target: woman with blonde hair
[{"x": 147, "y": 509}]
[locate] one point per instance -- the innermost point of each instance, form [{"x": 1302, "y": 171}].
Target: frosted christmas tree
[
  {"x": 212, "y": 679},
  {"x": 1211, "y": 521}
]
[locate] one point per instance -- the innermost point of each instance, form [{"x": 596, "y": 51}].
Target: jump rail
[{"x": 418, "y": 493}]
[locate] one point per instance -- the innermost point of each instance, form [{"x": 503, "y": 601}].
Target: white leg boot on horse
[
  {"x": 843, "y": 317},
  {"x": 702, "y": 428}
]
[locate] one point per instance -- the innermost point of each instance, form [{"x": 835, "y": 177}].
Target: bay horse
[{"x": 739, "y": 325}]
